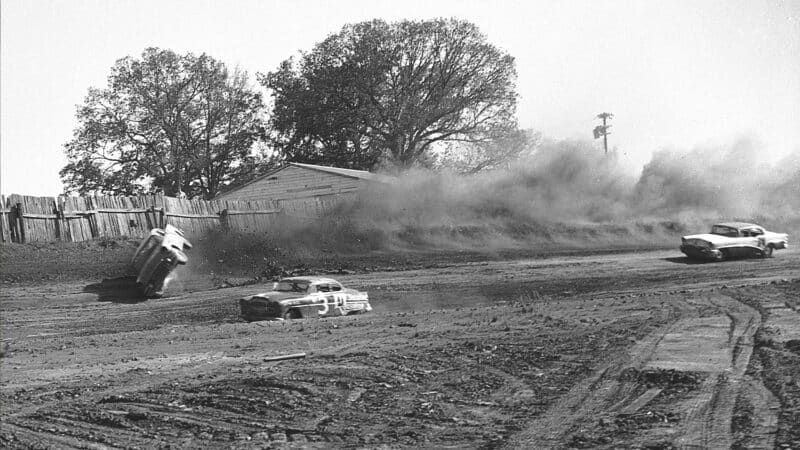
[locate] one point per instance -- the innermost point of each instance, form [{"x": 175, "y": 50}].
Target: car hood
[{"x": 712, "y": 238}]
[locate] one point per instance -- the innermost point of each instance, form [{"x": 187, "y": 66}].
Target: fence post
[
  {"x": 223, "y": 220},
  {"x": 152, "y": 219},
  {"x": 5, "y": 216},
  {"x": 159, "y": 205},
  {"x": 12, "y": 222},
  {"x": 20, "y": 223},
  {"x": 93, "y": 225},
  {"x": 58, "y": 222}
]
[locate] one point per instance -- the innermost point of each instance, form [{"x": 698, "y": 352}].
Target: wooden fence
[{"x": 75, "y": 219}]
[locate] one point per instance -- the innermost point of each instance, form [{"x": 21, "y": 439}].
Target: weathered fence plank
[
  {"x": 14, "y": 222},
  {"x": 194, "y": 217},
  {"x": 250, "y": 216},
  {"x": 311, "y": 207},
  {"x": 36, "y": 218},
  {"x": 5, "y": 217},
  {"x": 90, "y": 217},
  {"x": 76, "y": 219}
]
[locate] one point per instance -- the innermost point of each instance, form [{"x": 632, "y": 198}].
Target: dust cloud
[
  {"x": 564, "y": 195},
  {"x": 722, "y": 183},
  {"x": 568, "y": 193}
]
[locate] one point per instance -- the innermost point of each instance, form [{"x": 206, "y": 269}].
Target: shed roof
[
  {"x": 349, "y": 173},
  {"x": 352, "y": 173}
]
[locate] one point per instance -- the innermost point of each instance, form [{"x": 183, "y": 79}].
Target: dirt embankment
[{"x": 590, "y": 350}]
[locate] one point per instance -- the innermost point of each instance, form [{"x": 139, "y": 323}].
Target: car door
[
  {"x": 340, "y": 297},
  {"x": 760, "y": 242},
  {"x": 745, "y": 244},
  {"x": 324, "y": 296},
  {"x": 332, "y": 300}
]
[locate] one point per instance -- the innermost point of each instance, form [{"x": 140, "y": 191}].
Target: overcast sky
[{"x": 676, "y": 74}]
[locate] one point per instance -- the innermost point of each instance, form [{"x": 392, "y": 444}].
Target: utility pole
[{"x": 602, "y": 130}]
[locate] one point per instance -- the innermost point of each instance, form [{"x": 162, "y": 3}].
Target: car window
[
  {"x": 724, "y": 231},
  {"x": 291, "y": 286},
  {"x": 336, "y": 287},
  {"x": 752, "y": 232},
  {"x": 323, "y": 288}
]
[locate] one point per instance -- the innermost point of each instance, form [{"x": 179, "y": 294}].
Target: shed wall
[{"x": 295, "y": 183}]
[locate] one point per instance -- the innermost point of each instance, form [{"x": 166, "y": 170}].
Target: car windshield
[
  {"x": 724, "y": 231},
  {"x": 292, "y": 286}
]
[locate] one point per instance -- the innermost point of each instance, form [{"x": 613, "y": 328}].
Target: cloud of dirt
[
  {"x": 569, "y": 193},
  {"x": 721, "y": 183},
  {"x": 566, "y": 194},
  {"x": 564, "y": 189}
]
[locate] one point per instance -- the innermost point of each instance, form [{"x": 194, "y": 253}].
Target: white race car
[
  {"x": 733, "y": 240},
  {"x": 297, "y": 297},
  {"x": 157, "y": 256}
]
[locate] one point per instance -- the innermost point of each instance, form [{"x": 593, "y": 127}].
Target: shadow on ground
[
  {"x": 684, "y": 260},
  {"x": 116, "y": 290},
  {"x": 689, "y": 261}
]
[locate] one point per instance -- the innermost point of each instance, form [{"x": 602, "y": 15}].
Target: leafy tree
[
  {"x": 475, "y": 157},
  {"x": 177, "y": 123},
  {"x": 392, "y": 91}
]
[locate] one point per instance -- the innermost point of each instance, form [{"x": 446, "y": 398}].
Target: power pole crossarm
[{"x": 602, "y": 130}]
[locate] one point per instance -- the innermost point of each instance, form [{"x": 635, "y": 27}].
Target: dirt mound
[{"x": 58, "y": 261}]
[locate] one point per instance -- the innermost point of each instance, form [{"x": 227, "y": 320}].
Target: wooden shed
[{"x": 304, "y": 190}]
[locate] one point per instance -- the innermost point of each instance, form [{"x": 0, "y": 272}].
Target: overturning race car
[
  {"x": 733, "y": 240},
  {"x": 157, "y": 256},
  {"x": 299, "y": 297}
]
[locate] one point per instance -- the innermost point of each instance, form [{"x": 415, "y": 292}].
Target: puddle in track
[
  {"x": 695, "y": 345},
  {"x": 704, "y": 361}
]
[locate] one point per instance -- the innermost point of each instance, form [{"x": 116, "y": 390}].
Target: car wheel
[
  {"x": 722, "y": 255},
  {"x": 148, "y": 290},
  {"x": 153, "y": 288},
  {"x": 768, "y": 251},
  {"x": 292, "y": 314}
]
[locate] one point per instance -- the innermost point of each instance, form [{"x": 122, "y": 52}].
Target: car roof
[
  {"x": 311, "y": 280},
  {"x": 737, "y": 225}
]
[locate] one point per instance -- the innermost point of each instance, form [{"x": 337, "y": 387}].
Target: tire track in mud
[
  {"x": 708, "y": 422},
  {"x": 595, "y": 394},
  {"x": 607, "y": 391},
  {"x": 718, "y": 347}
]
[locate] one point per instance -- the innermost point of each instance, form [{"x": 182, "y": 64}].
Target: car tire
[
  {"x": 292, "y": 314},
  {"x": 768, "y": 251}
]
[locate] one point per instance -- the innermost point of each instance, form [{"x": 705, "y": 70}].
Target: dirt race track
[{"x": 595, "y": 350}]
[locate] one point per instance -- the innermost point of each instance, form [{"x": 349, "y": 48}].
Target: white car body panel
[
  {"x": 740, "y": 239},
  {"x": 323, "y": 297}
]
